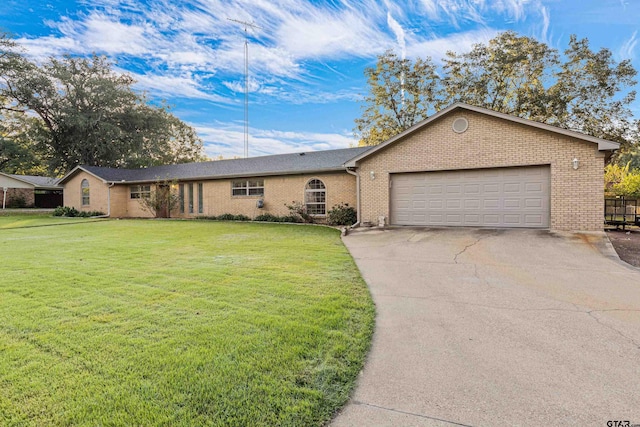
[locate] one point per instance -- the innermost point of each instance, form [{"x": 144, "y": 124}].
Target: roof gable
[
  {"x": 603, "y": 145},
  {"x": 35, "y": 181}
]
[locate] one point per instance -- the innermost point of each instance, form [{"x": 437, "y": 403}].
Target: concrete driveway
[{"x": 497, "y": 327}]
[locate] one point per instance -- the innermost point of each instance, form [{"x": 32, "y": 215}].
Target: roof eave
[
  {"x": 75, "y": 170},
  {"x": 231, "y": 176},
  {"x": 18, "y": 179}
]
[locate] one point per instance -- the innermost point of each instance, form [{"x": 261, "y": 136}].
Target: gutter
[
  {"x": 108, "y": 202},
  {"x": 357, "y": 175}
]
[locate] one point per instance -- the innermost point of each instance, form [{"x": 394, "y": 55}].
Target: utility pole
[{"x": 246, "y": 25}]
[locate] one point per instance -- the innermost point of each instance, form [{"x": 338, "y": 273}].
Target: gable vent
[{"x": 460, "y": 125}]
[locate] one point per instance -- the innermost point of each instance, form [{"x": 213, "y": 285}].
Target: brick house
[
  {"x": 30, "y": 191},
  {"x": 464, "y": 166}
]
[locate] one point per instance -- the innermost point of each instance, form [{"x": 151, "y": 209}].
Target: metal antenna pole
[{"x": 246, "y": 81}]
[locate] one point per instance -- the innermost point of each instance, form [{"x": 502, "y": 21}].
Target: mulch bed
[{"x": 627, "y": 244}]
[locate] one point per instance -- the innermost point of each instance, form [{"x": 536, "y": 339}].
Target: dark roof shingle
[
  {"x": 279, "y": 164},
  {"x": 38, "y": 181}
]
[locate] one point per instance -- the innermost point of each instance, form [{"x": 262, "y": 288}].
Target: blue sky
[{"x": 306, "y": 61}]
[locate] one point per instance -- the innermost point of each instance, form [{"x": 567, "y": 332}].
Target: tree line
[
  {"x": 70, "y": 111},
  {"x": 581, "y": 89}
]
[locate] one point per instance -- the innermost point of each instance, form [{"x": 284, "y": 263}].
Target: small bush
[
  {"x": 342, "y": 214},
  {"x": 267, "y": 218},
  {"x": 17, "y": 202},
  {"x": 207, "y": 218},
  {"x": 275, "y": 218},
  {"x": 72, "y": 212},
  {"x": 232, "y": 217},
  {"x": 299, "y": 211}
]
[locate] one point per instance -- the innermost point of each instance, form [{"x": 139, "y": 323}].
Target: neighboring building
[
  {"x": 464, "y": 166},
  {"x": 30, "y": 191}
]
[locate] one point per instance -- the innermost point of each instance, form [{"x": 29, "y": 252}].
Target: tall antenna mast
[{"x": 246, "y": 25}]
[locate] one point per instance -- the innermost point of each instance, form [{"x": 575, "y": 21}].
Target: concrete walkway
[{"x": 487, "y": 328}]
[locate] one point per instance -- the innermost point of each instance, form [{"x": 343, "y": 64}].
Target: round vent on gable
[{"x": 460, "y": 125}]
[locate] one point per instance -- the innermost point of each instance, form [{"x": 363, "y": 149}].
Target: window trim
[
  {"x": 190, "y": 195},
  {"x": 200, "y": 198},
  {"x": 246, "y": 188},
  {"x": 308, "y": 191},
  {"x": 85, "y": 192},
  {"x": 181, "y": 196},
  {"x": 139, "y": 191}
]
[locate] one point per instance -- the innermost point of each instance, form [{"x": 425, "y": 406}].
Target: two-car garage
[
  {"x": 497, "y": 197},
  {"x": 474, "y": 167}
]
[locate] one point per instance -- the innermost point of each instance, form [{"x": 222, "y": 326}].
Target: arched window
[
  {"x": 315, "y": 197},
  {"x": 84, "y": 186}
]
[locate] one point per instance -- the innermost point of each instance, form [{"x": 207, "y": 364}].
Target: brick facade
[
  {"x": 217, "y": 198},
  {"x": 98, "y": 193},
  {"x": 576, "y": 195},
  {"x": 15, "y": 196}
]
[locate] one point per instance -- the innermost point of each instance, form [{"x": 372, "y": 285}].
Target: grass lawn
[
  {"x": 178, "y": 323},
  {"x": 37, "y": 220}
]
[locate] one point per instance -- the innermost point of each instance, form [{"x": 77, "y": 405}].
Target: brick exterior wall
[
  {"x": 98, "y": 193},
  {"x": 577, "y": 199},
  {"x": 217, "y": 198},
  {"x": 26, "y": 194}
]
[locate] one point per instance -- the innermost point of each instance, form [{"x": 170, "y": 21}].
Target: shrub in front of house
[
  {"x": 232, "y": 217},
  {"x": 342, "y": 214},
  {"x": 17, "y": 202},
  {"x": 72, "y": 212},
  {"x": 275, "y": 218}
]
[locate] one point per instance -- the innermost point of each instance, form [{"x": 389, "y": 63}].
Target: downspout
[
  {"x": 4, "y": 197},
  {"x": 108, "y": 202},
  {"x": 357, "y": 175}
]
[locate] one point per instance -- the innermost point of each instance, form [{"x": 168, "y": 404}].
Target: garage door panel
[
  {"x": 501, "y": 197},
  {"x": 491, "y": 188},
  {"x": 512, "y": 203},
  {"x": 533, "y": 203}
]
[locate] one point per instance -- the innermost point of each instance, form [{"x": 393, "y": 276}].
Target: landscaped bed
[{"x": 178, "y": 323}]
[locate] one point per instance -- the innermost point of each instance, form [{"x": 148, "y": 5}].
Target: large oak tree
[
  {"x": 582, "y": 89},
  {"x": 86, "y": 113}
]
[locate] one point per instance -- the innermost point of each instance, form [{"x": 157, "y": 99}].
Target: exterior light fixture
[
  {"x": 372, "y": 174},
  {"x": 576, "y": 163}
]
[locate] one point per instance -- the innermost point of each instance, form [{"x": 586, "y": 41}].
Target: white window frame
[
  {"x": 247, "y": 188},
  {"x": 311, "y": 203},
  {"x": 139, "y": 191},
  {"x": 85, "y": 192}
]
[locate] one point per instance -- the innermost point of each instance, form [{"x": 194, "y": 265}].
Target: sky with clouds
[{"x": 306, "y": 59}]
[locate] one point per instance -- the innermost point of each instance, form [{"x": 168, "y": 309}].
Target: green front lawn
[
  {"x": 178, "y": 323},
  {"x": 37, "y": 220}
]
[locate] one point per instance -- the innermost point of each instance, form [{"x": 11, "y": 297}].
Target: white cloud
[
  {"x": 182, "y": 48},
  {"x": 546, "y": 20},
  {"x": 628, "y": 48},
  {"x": 458, "y": 42},
  {"x": 227, "y": 140},
  {"x": 399, "y": 32},
  {"x": 175, "y": 86},
  {"x": 459, "y": 11}
]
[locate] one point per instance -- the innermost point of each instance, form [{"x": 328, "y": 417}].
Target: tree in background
[
  {"x": 621, "y": 181},
  {"x": 401, "y": 93},
  {"x": 88, "y": 114},
  {"x": 510, "y": 75},
  {"x": 585, "y": 91}
]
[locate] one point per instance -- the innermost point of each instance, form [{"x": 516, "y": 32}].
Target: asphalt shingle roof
[
  {"x": 279, "y": 164},
  {"x": 38, "y": 181}
]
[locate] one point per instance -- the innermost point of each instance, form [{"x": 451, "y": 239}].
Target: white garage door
[{"x": 502, "y": 197}]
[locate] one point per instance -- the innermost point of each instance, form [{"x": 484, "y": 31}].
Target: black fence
[{"x": 621, "y": 212}]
